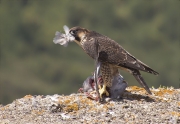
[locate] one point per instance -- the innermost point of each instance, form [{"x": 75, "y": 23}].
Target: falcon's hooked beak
[{"x": 79, "y": 33}]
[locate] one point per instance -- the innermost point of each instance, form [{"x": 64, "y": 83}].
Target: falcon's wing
[{"x": 111, "y": 52}]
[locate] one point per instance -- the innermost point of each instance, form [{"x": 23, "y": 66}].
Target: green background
[{"x": 30, "y": 63}]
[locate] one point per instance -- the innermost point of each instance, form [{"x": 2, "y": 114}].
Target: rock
[{"x": 136, "y": 106}]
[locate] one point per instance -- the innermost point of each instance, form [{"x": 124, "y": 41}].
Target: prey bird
[{"x": 111, "y": 55}]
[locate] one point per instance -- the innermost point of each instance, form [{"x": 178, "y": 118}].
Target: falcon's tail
[
  {"x": 141, "y": 81},
  {"x": 149, "y": 70},
  {"x": 144, "y": 67}
]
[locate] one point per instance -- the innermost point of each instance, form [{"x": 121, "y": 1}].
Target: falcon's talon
[
  {"x": 103, "y": 91},
  {"x": 99, "y": 86}
]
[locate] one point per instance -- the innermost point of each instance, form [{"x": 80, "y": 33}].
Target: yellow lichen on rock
[
  {"x": 28, "y": 96},
  {"x": 67, "y": 101},
  {"x": 176, "y": 113},
  {"x": 163, "y": 91},
  {"x": 178, "y": 103},
  {"x": 136, "y": 89},
  {"x": 37, "y": 112},
  {"x": 71, "y": 107}
]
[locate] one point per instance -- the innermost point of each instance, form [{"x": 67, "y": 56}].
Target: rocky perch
[{"x": 135, "y": 107}]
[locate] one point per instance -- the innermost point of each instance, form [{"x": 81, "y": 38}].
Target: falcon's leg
[{"x": 106, "y": 75}]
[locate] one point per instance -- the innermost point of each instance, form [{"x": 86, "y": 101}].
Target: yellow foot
[{"x": 103, "y": 91}]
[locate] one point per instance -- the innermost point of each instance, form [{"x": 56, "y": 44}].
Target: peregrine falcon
[{"x": 112, "y": 57}]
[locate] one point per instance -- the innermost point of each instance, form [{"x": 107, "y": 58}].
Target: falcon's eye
[{"x": 73, "y": 32}]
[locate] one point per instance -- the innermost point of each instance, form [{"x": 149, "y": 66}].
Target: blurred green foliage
[{"x": 30, "y": 63}]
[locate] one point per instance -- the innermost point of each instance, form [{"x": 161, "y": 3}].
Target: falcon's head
[{"x": 79, "y": 33}]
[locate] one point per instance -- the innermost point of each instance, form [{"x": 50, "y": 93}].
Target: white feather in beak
[{"x": 63, "y": 39}]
